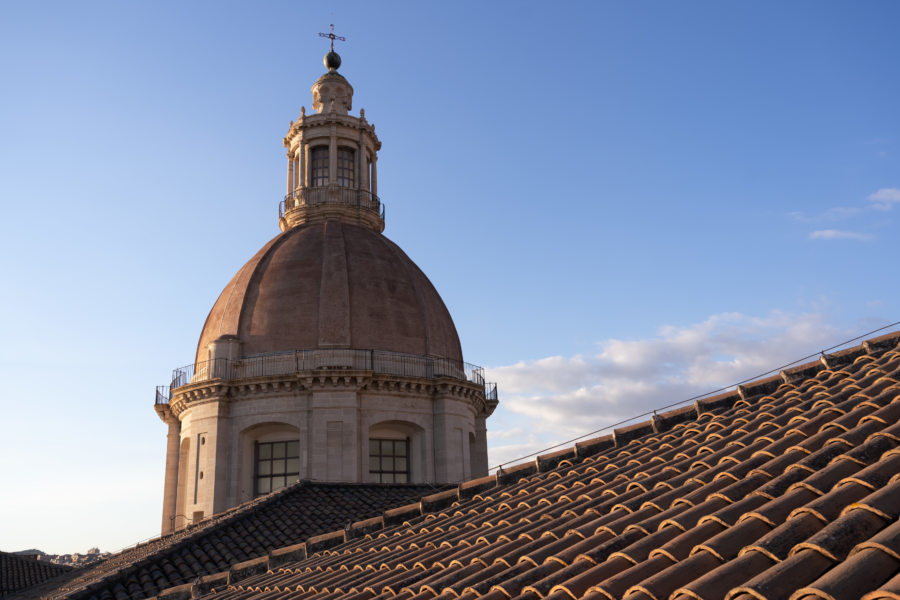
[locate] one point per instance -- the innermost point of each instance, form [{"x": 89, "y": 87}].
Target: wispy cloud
[
  {"x": 837, "y": 234},
  {"x": 557, "y": 398},
  {"x": 885, "y": 198},
  {"x": 833, "y": 214}
]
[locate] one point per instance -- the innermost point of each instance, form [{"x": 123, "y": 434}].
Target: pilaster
[
  {"x": 478, "y": 451},
  {"x": 170, "y": 491},
  {"x": 334, "y": 424},
  {"x": 290, "y": 174},
  {"x": 362, "y": 180},
  {"x": 205, "y": 488},
  {"x": 301, "y": 178},
  {"x": 332, "y": 155}
]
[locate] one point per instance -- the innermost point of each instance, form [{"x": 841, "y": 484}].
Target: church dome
[
  {"x": 331, "y": 284},
  {"x": 329, "y": 355}
]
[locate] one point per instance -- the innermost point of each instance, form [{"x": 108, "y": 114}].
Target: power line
[{"x": 698, "y": 397}]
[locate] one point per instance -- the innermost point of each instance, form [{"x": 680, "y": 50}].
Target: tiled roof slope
[
  {"x": 788, "y": 488},
  {"x": 19, "y": 572},
  {"x": 250, "y": 530}
]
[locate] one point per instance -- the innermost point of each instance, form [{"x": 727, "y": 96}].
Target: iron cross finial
[{"x": 332, "y": 37}]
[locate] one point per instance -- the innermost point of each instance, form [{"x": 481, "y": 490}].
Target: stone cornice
[
  {"x": 326, "y": 120},
  {"x": 213, "y": 390},
  {"x": 300, "y": 215},
  {"x": 164, "y": 411}
]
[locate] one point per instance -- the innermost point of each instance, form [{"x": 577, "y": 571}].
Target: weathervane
[{"x": 332, "y": 37}]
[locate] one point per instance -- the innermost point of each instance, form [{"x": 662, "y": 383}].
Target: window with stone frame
[
  {"x": 389, "y": 461},
  {"x": 277, "y": 464},
  {"x": 346, "y": 167},
  {"x": 318, "y": 158}
]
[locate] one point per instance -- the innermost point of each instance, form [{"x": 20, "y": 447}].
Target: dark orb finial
[{"x": 332, "y": 61}]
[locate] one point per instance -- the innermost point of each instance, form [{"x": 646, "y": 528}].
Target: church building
[{"x": 329, "y": 356}]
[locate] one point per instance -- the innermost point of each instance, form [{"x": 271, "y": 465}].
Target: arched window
[
  {"x": 318, "y": 166},
  {"x": 389, "y": 460},
  {"x": 346, "y": 167},
  {"x": 396, "y": 453},
  {"x": 277, "y": 465},
  {"x": 271, "y": 455}
]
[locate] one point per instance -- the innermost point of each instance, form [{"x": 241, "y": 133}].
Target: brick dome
[{"x": 332, "y": 284}]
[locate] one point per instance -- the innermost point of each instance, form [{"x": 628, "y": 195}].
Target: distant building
[{"x": 329, "y": 356}]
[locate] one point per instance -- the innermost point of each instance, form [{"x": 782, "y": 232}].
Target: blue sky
[{"x": 622, "y": 204}]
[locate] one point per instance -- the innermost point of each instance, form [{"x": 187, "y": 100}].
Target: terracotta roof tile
[
  {"x": 616, "y": 586},
  {"x": 889, "y": 590},
  {"x": 18, "y": 572},
  {"x": 719, "y": 581},
  {"x": 860, "y": 571},
  {"x": 788, "y": 487},
  {"x": 662, "y": 584},
  {"x": 783, "y": 578}
]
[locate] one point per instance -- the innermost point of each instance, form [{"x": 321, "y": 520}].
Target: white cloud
[
  {"x": 510, "y": 453},
  {"x": 835, "y": 213},
  {"x": 882, "y": 200},
  {"x": 885, "y": 198},
  {"x": 558, "y": 398},
  {"x": 515, "y": 433},
  {"x": 837, "y": 234},
  {"x": 838, "y": 213}
]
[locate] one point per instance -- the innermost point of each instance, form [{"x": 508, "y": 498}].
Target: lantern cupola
[{"x": 331, "y": 159}]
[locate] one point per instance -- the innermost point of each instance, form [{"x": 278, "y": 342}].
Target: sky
[{"x": 623, "y": 204}]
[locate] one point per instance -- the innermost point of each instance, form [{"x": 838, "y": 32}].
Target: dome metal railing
[
  {"x": 334, "y": 195},
  {"x": 163, "y": 394},
  {"x": 296, "y": 361}
]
